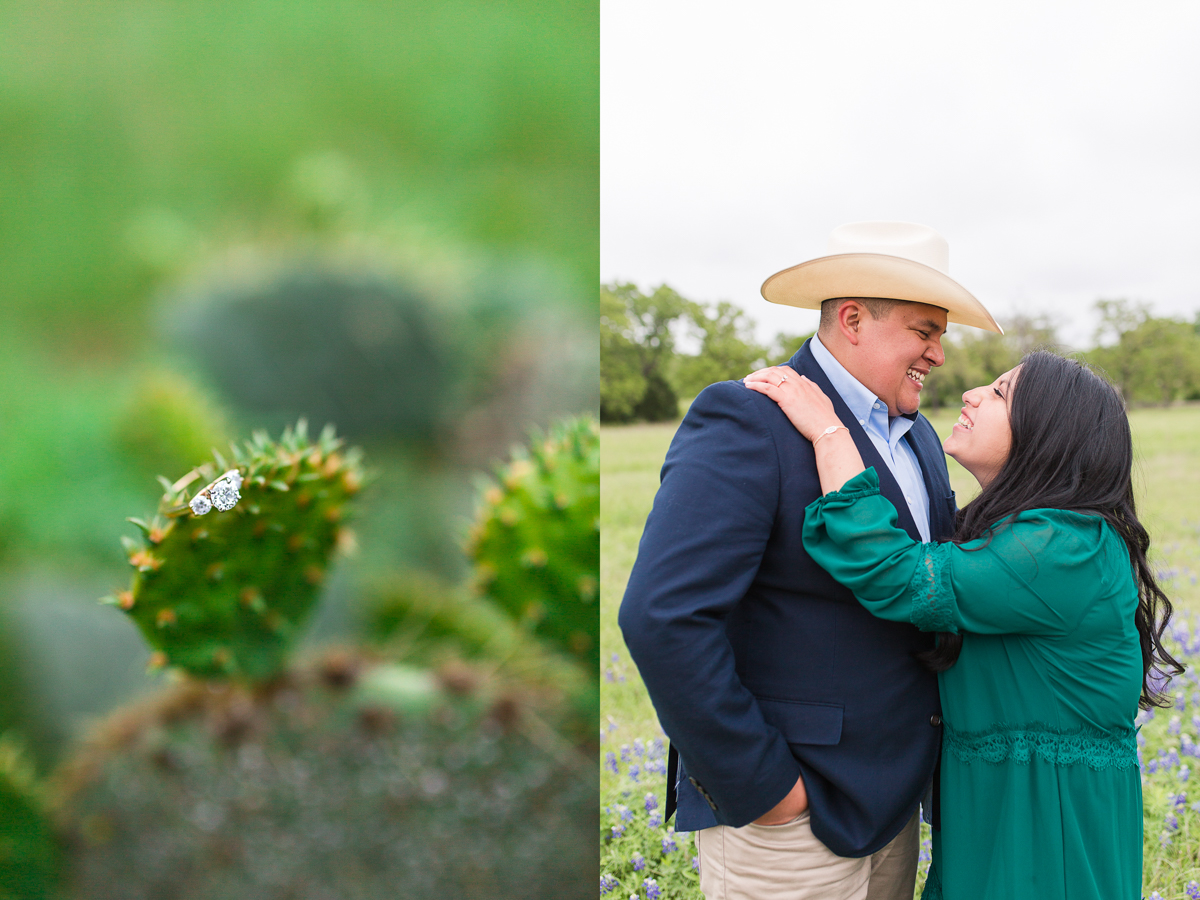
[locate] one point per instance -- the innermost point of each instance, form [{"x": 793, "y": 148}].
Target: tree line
[{"x": 659, "y": 348}]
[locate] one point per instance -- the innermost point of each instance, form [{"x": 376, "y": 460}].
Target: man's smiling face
[{"x": 895, "y": 353}]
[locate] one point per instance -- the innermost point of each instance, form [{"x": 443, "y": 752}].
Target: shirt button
[
  {"x": 877, "y": 406},
  {"x": 935, "y": 721},
  {"x": 862, "y": 421}
]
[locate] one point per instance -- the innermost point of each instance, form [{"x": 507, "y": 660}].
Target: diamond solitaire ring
[{"x": 224, "y": 493}]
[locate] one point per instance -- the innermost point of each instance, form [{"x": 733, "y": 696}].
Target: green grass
[{"x": 1167, "y": 480}]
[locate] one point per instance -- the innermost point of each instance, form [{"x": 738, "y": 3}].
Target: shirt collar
[{"x": 864, "y": 405}]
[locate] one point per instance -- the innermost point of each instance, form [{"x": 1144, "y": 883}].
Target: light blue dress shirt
[{"x": 886, "y": 434}]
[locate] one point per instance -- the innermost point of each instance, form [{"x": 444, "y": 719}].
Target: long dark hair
[{"x": 1071, "y": 449}]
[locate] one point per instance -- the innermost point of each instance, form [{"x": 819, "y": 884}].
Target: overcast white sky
[{"x": 1055, "y": 146}]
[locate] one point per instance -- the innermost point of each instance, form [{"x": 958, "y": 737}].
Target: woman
[{"x": 1050, "y": 620}]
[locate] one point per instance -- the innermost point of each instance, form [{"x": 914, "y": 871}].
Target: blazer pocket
[{"x": 801, "y": 722}]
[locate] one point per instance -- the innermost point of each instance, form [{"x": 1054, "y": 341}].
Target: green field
[{"x": 1167, "y": 479}]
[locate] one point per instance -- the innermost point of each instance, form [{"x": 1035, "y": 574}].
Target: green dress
[{"x": 1041, "y": 794}]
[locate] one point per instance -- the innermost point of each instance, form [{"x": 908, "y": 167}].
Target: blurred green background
[{"x": 219, "y": 216}]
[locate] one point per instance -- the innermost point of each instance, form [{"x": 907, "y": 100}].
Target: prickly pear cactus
[
  {"x": 28, "y": 855},
  {"x": 226, "y": 574},
  {"x": 347, "y": 779},
  {"x": 536, "y": 542}
]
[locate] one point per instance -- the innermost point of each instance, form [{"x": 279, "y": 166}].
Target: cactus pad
[
  {"x": 226, "y": 593},
  {"x": 346, "y": 779},
  {"x": 536, "y": 542}
]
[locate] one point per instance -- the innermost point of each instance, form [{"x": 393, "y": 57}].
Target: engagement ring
[{"x": 224, "y": 493}]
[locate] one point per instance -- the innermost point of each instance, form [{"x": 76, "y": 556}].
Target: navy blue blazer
[{"x": 761, "y": 666}]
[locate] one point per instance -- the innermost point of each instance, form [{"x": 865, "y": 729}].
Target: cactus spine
[{"x": 226, "y": 593}]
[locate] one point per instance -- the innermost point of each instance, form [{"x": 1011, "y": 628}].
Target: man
[{"x": 806, "y": 731}]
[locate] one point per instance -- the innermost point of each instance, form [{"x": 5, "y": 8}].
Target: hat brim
[{"x": 876, "y": 275}]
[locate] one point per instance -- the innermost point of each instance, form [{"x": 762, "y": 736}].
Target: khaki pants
[{"x": 786, "y": 862}]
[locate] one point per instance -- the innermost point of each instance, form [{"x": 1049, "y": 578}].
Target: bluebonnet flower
[
  {"x": 1155, "y": 895},
  {"x": 625, "y": 753},
  {"x": 639, "y": 862},
  {"x": 1152, "y": 766},
  {"x": 1196, "y": 721},
  {"x": 1187, "y": 746},
  {"x": 668, "y": 843},
  {"x": 1171, "y": 822},
  {"x": 1196, "y": 699},
  {"x": 1143, "y": 717},
  {"x": 1184, "y": 772},
  {"x": 608, "y": 884},
  {"x": 1175, "y": 726},
  {"x": 651, "y": 803},
  {"x": 924, "y": 856},
  {"x": 656, "y": 748},
  {"x": 1172, "y": 758},
  {"x": 616, "y": 657},
  {"x": 657, "y": 766},
  {"x": 655, "y": 820},
  {"x": 610, "y": 762},
  {"x": 1193, "y": 890},
  {"x": 608, "y": 674},
  {"x": 639, "y": 747},
  {"x": 1141, "y": 739},
  {"x": 612, "y": 724},
  {"x": 624, "y": 813},
  {"x": 696, "y": 864},
  {"x": 618, "y": 830},
  {"x": 1180, "y": 701},
  {"x": 635, "y": 771},
  {"x": 653, "y": 891}
]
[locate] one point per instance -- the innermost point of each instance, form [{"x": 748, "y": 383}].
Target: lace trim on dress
[
  {"x": 932, "y": 597},
  {"x": 1116, "y": 749}
]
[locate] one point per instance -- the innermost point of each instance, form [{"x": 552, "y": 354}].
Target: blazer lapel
[{"x": 804, "y": 363}]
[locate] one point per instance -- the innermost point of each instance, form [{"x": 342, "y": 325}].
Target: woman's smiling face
[{"x": 981, "y": 439}]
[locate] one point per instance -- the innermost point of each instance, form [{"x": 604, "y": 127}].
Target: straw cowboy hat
[{"x": 887, "y": 260}]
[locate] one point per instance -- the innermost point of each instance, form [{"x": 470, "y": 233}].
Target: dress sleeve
[{"x": 1031, "y": 577}]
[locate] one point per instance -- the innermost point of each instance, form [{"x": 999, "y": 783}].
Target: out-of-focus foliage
[
  {"x": 1152, "y": 360},
  {"x": 419, "y": 616},
  {"x": 352, "y": 779},
  {"x": 133, "y": 134},
  {"x": 168, "y": 424},
  {"x": 151, "y": 148},
  {"x": 227, "y": 593},
  {"x": 28, "y": 854}
]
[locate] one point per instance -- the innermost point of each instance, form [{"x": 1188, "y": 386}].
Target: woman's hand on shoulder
[{"x": 805, "y": 404}]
